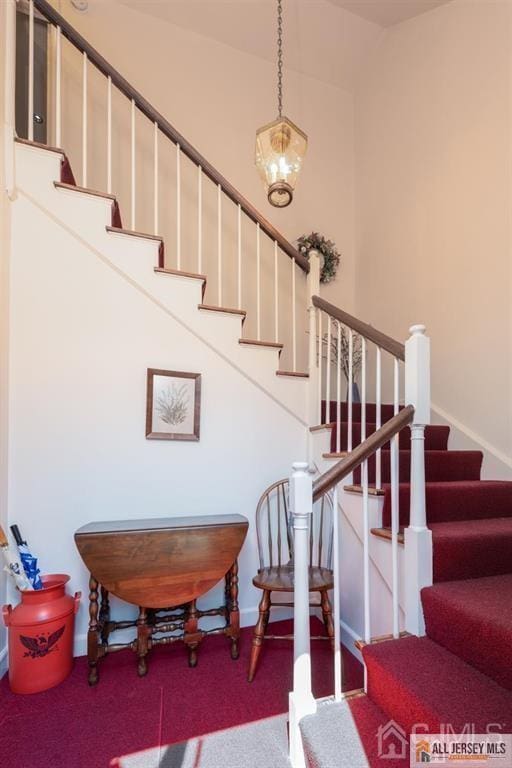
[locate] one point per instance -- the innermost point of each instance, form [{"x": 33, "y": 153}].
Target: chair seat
[{"x": 281, "y": 578}]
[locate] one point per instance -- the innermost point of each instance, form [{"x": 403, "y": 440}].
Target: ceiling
[
  {"x": 385, "y": 13},
  {"x": 329, "y": 40},
  {"x": 320, "y": 39}
]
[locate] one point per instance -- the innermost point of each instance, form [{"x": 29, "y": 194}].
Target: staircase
[
  {"x": 460, "y": 673},
  {"x": 423, "y": 546}
]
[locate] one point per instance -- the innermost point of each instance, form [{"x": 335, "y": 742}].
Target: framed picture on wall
[{"x": 173, "y": 405}]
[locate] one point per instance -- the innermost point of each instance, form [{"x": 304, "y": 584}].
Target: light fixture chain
[{"x": 279, "y": 58}]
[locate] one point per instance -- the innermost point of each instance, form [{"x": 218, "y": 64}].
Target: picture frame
[{"x": 173, "y": 405}]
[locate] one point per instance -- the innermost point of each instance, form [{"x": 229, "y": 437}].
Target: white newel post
[
  {"x": 301, "y": 701},
  {"x": 9, "y": 45},
  {"x": 314, "y": 404},
  {"x": 418, "y": 538}
]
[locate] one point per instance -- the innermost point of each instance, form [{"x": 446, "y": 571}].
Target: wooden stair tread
[
  {"x": 85, "y": 190},
  {"x": 323, "y": 427},
  {"x": 38, "y": 145},
  {"x": 180, "y": 273},
  {"x": 134, "y": 233},
  {"x": 295, "y": 374},
  {"x": 385, "y": 533},
  {"x": 256, "y": 343},
  {"x": 360, "y": 644},
  {"x": 228, "y": 310},
  {"x": 359, "y": 489}
]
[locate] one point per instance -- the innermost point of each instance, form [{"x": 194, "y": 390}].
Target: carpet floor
[
  {"x": 74, "y": 726},
  {"x": 223, "y": 749},
  {"x": 352, "y": 734}
]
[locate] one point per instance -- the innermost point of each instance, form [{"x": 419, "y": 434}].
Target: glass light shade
[{"x": 280, "y": 151}]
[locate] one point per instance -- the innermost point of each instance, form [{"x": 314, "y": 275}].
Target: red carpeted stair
[
  {"x": 415, "y": 680},
  {"x": 440, "y": 466},
  {"x": 436, "y": 438},
  {"x": 454, "y": 500},
  {"x": 469, "y": 549},
  {"x": 473, "y": 619},
  {"x": 461, "y": 672}
]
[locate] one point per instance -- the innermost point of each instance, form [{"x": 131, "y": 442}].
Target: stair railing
[
  {"x": 262, "y": 278},
  {"x": 304, "y": 493}
]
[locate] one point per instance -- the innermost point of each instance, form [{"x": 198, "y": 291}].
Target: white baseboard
[
  {"x": 348, "y": 639},
  {"x": 248, "y": 618}
]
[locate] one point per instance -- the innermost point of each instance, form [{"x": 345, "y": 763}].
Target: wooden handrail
[
  {"x": 168, "y": 130},
  {"x": 342, "y": 468},
  {"x": 396, "y": 348}
]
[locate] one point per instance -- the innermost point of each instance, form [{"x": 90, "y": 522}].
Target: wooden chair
[{"x": 275, "y": 548}]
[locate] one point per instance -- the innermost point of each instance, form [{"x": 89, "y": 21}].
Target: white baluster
[
  {"x": 378, "y": 414},
  {"x": 219, "y": 245},
  {"x": 328, "y": 368},
  {"x": 155, "y": 178},
  {"x": 239, "y": 250},
  {"x": 258, "y": 284},
  {"x": 84, "y": 120},
  {"x": 301, "y": 699},
  {"x": 294, "y": 318},
  {"x": 178, "y": 208},
  {"x": 418, "y": 538},
  {"x": 276, "y": 294},
  {"x": 366, "y": 556},
  {"x": 30, "y": 115},
  {"x": 58, "y": 103},
  {"x": 395, "y": 502},
  {"x": 349, "y": 385},
  {"x": 325, "y": 418},
  {"x": 363, "y": 389},
  {"x": 199, "y": 219},
  {"x": 134, "y": 170},
  {"x": 314, "y": 357},
  {"x": 338, "y": 391},
  {"x": 338, "y": 682},
  {"x": 10, "y": 96},
  {"x": 109, "y": 135}
]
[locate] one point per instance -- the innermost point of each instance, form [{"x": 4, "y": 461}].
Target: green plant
[{"x": 331, "y": 257}]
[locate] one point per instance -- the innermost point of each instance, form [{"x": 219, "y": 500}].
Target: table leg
[
  {"x": 93, "y": 633},
  {"x": 234, "y": 611},
  {"x": 190, "y": 633},
  {"x": 143, "y": 632},
  {"x": 104, "y": 616},
  {"x": 227, "y": 595}
]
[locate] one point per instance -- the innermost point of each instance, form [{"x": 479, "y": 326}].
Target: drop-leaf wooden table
[{"x": 161, "y": 565}]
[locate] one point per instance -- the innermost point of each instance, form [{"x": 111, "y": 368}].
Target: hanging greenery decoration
[{"x": 331, "y": 257}]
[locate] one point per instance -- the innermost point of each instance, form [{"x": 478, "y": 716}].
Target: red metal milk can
[{"x": 41, "y": 636}]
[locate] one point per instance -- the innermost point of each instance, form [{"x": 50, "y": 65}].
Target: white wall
[{"x": 433, "y": 168}]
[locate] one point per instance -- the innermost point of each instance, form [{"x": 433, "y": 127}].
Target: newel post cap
[{"x": 417, "y": 373}]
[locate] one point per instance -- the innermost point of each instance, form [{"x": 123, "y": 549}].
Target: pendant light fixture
[{"x": 280, "y": 145}]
